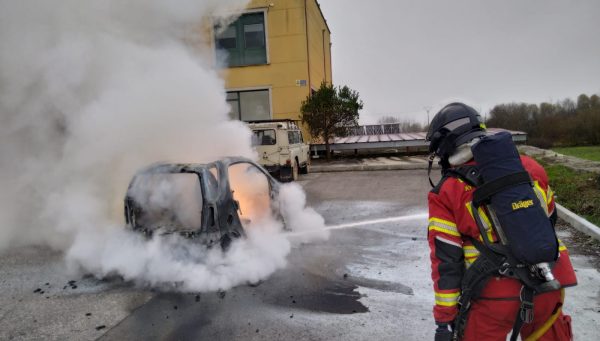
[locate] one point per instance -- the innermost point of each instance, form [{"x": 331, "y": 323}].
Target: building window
[
  {"x": 244, "y": 40},
  {"x": 250, "y": 105}
]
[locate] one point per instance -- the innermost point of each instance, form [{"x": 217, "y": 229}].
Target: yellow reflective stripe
[
  {"x": 536, "y": 184},
  {"x": 486, "y": 221},
  {"x": 444, "y": 294},
  {"x": 442, "y": 221},
  {"x": 470, "y": 251},
  {"x": 539, "y": 192},
  {"x": 444, "y": 230},
  {"x": 561, "y": 246},
  {"x": 446, "y": 304},
  {"x": 470, "y": 208},
  {"x": 444, "y": 226},
  {"x": 550, "y": 193},
  {"x": 446, "y": 299},
  {"x": 470, "y": 254},
  {"x": 550, "y": 196}
]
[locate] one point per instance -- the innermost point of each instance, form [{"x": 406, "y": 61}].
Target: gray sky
[{"x": 403, "y": 56}]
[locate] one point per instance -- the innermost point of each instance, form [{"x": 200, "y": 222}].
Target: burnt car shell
[{"x": 220, "y": 220}]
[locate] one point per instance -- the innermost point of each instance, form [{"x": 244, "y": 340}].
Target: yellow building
[{"x": 276, "y": 53}]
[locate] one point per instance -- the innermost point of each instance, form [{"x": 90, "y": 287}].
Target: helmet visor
[{"x": 451, "y": 126}]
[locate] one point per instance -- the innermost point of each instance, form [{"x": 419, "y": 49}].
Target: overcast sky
[{"x": 403, "y": 56}]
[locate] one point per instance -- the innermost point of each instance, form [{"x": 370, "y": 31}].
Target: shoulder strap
[
  {"x": 488, "y": 189},
  {"x": 469, "y": 174}
]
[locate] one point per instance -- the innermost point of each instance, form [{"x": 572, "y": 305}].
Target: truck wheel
[{"x": 295, "y": 171}]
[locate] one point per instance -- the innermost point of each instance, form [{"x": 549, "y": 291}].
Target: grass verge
[
  {"x": 586, "y": 152},
  {"x": 578, "y": 191}
]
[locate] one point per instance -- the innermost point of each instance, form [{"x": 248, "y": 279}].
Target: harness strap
[
  {"x": 485, "y": 191},
  {"x": 474, "y": 280},
  {"x": 493, "y": 258},
  {"x": 431, "y": 157},
  {"x": 469, "y": 174},
  {"x": 548, "y": 324},
  {"x": 525, "y": 312}
]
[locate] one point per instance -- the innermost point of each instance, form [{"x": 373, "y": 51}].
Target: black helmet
[{"x": 452, "y": 126}]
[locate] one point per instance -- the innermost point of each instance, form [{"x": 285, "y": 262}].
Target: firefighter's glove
[{"x": 443, "y": 332}]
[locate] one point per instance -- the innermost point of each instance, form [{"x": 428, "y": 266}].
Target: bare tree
[{"x": 388, "y": 120}]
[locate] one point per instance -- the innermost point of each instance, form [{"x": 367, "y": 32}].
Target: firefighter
[{"x": 494, "y": 313}]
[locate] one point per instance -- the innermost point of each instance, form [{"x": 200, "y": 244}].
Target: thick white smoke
[{"x": 90, "y": 92}]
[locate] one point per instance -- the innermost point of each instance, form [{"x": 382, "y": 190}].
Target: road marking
[{"x": 378, "y": 221}]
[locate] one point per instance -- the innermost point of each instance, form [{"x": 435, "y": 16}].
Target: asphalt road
[
  {"x": 350, "y": 287},
  {"x": 368, "y": 281}
]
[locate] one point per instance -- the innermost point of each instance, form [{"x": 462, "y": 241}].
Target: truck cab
[{"x": 281, "y": 148}]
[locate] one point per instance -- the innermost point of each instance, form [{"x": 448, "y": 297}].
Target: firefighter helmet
[{"x": 453, "y": 125}]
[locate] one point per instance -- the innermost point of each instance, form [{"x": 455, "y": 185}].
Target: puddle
[{"x": 320, "y": 294}]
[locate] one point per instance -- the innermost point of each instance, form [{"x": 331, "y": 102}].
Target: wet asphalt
[
  {"x": 366, "y": 282},
  {"x": 323, "y": 293}
]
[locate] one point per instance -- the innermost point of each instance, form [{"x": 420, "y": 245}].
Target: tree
[
  {"x": 330, "y": 112},
  {"x": 595, "y": 101},
  {"x": 565, "y": 122},
  {"x": 583, "y": 102},
  {"x": 388, "y": 120}
]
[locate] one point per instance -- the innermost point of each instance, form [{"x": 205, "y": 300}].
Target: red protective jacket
[{"x": 451, "y": 220}]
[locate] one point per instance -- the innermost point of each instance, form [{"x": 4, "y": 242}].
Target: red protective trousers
[{"x": 492, "y": 320}]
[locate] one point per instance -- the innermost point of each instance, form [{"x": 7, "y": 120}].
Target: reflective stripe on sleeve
[
  {"x": 561, "y": 246},
  {"x": 444, "y": 226},
  {"x": 550, "y": 193},
  {"x": 550, "y": 197},
  {"x": 446, "y": 299},
  {"x": 470, "y": 253},
  {"x": 539, "y": 192}
]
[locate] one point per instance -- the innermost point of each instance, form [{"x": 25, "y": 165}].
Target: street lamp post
[{"x": 427, "y": 108}]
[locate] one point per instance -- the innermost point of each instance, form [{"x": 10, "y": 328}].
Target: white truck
[{"x": 281, "y": 148}]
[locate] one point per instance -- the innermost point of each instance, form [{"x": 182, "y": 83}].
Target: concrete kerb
[{"x": 578, "y": 222}]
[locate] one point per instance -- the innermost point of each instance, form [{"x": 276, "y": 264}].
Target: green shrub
[{"x": 578, "y": 191}]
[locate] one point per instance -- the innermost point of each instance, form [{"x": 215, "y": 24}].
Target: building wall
[
  {"x": 319, "y": 44},
  {"x": 288, "y": 60}
]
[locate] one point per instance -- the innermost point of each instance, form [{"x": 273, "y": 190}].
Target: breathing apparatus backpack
[
  {"x": 527, "y": 245},
  {"x": 507, "y": 190}
]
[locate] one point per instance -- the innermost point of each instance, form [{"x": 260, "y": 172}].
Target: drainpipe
[
  {"x": 307, "y": 46},
  {"x": 330, "y": 66},
  {"x": 324, "y": 57}
]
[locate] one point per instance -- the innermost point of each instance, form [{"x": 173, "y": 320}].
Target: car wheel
[{"x": 306, "y": 168}]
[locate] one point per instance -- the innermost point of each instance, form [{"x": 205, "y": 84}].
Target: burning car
[{"x": 209, "y": 203}]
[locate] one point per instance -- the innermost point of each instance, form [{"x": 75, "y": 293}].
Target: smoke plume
[{"x": 92, "y": 91}]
